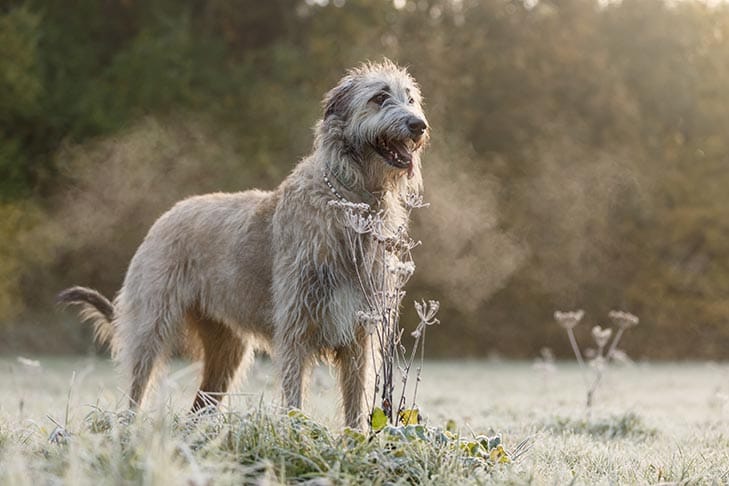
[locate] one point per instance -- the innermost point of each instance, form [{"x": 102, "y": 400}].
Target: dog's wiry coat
[{"x": 271, "y": 270}]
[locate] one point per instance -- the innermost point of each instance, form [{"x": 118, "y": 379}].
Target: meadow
[{"x": 61, "y": 423}]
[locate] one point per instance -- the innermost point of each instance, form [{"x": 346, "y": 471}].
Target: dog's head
[{"x": 375, "y": 114}]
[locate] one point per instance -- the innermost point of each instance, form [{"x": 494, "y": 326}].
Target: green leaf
[
  {"x": 409, "y": 416},
  {"x": 395, "y": 433},
  {"x": 451, "y": 426},
  {"x": 378, "y": 419},
  {"x": 356, "y": 436},
  {"x": 499, "y": 456},
  {"x": 494, "y": 442},
  {"x": 415, "y": 432},
  {"x": 296, "y": 413},
  {"x": 471, "y": 447}
]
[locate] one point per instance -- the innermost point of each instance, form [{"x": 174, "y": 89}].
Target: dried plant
[
  {"x": 568, "y": 321},
  {"x": 599, "y": 359},
  {"x": 545, "y": 363},
  {"x": 382, "y": 258}
]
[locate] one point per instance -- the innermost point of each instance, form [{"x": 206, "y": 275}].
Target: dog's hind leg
[
  {"x": 142, "y": 372},
  {"x": 146, "y": 336},
  {"x": 225, "y": 353},
  {"x": 142, "y": 356}
]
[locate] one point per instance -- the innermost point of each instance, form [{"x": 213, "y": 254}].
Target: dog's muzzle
[
  {"x": 416, "y": 126},
  {"x": 398, "y": 153}
]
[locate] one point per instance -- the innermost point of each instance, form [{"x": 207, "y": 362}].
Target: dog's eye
[
  {"x": 411, "y": 101},
  {"x": 379, "y": 98}
]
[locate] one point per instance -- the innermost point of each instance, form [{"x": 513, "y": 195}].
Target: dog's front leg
[
  {"x": 293, "y": 359},
  {"x": 354, "y": 370}
]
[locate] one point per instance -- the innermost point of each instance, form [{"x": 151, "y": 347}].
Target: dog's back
[{"x": 210, "y": 253}]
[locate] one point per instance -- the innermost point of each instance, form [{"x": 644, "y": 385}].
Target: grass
[{"x": 651, "y": 423}]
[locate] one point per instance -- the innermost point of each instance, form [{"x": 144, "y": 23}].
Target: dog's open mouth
[{"x": 397, "y": 154}]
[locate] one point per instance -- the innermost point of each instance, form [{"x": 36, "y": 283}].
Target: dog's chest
[
  {"x": 332, "y": 293},
  {"x": 323, "y": 275}
]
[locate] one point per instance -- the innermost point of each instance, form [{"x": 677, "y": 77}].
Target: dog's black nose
[{"x": 416, "y": 125}]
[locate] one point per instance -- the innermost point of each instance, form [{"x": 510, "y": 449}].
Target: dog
[{"x": 228, "y": 274}]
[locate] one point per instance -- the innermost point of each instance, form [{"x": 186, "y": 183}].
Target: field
[{"x": 652, "y": 423}]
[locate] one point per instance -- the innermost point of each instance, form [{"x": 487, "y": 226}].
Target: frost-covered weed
[
  {"x": 607, "y": 351},
  {"x": 382, "y": 257}
]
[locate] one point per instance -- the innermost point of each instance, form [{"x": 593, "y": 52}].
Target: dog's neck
[
  {"x": 348, "y": 180},
  {"x": 365, "y": 177},
  {"x": 342, "y": 182}
]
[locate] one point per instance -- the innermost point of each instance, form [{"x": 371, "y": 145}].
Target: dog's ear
[{"x": 338, "y": 99}]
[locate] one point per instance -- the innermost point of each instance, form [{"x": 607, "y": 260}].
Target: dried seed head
[
  {"x": 359, "y": 222},
  {"x": 427, "y": 311},
  {"x": 570, "y": 319},
  {"x": 401, "y": 272},
  {"x": 547, "y": 354},
  {"x": 623, "y": 320},
  {"x": 601, "y": 336},
  {"x": 402, "y": 269},
  {"x": 413, "y": 201}
]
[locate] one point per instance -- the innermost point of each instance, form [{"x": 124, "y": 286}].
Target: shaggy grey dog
[{"x": 232, "y": 273}]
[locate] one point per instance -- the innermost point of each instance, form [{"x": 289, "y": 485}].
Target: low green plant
[{"x": 267, "y": 446}]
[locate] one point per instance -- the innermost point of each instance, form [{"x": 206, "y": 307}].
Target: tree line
[{"x": 579, "y": 151}]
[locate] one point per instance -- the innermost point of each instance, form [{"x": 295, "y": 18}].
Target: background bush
[{"x": 579, "y": 153}]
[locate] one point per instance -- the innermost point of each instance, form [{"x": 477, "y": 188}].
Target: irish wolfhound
[{"x": 270, "y": 270}]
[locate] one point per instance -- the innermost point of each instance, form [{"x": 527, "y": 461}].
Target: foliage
[
  {"x": 20, "y": 91},
  {"x": 27, "y": 239},
  {"x": 578, "y": 152},
  {"x": 266, "y": 446}
]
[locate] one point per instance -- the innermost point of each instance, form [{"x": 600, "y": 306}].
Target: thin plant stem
[
  {"x": 378, "y": 253},
  {"x": 599, "y": 369},
  {"x": 578, "y": 354},
  {"x": 420, "y": 368},
  {"x": 614, "y": 344},
  {"x": 406, "y": 371}
]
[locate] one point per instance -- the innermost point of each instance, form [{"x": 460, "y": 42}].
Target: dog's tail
[{"x": 94, "y": 307}]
